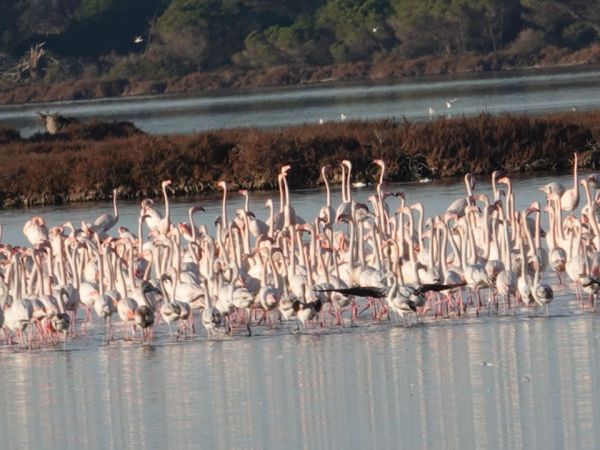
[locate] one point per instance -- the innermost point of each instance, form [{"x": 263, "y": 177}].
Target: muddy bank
[
  {"x": 296, "y": 75},
  {"x": 86, "y": 161}
]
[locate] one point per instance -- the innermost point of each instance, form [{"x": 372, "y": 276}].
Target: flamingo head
[
  {"x": 470, "y": 178},
  {"x": 222, "y": 185},
  {"x": 344, "y": 217},
  {"x": 418, "y": 206},
  {"x": 38, "y": 220},
  {"x": 379, "y": 162},
  {"x": 325, "y": 244},
  {"x": 594, "y": 180},
  {"x": 347, "y": 163},
  {"x": 243, "y": 192},
  {"x": 195, "y": 209},
  {"x": 184, "y": 228},
  {"x": 285, "y": 169},
  {"x": 55, "y": 231},
  {"x": 304, "y": 227},
  {"x": 166, "y": 183},
  {"x": 531, "y": 210}
]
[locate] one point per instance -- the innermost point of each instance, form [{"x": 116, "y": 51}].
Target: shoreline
[
  {"x": 229, "y": 79},
  {"x": 86, "y": 161}
]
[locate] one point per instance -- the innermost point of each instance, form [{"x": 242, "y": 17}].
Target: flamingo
[
  {"x": 344, "y": 209},
  {"x": 156, "y": 222},
  {"x": 256, "y": 226},
  {"x": 305, "y": 310},
  {"x": 458, "y": 206},
  {"x": 211, "y": 317},
  {"x": 399, "y": 300},
  {"x": 569, "y": 200},
  {"x": 326, "y": 213},
  {"x": 35, "y": 231},
  {"x": 106, "y": 221}
]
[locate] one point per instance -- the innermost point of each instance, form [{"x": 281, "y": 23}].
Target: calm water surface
[
  {"x": 521, "y": 92},
  {"x": 471, "y": 383}
]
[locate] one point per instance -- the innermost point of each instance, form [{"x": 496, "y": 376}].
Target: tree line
[{"x": 150, "y": 39}]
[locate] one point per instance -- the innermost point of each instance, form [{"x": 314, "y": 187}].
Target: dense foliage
[{"x": 149, "y": 39}]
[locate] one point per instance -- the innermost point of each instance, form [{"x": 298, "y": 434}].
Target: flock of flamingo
[{"x": 373, "y": 260}]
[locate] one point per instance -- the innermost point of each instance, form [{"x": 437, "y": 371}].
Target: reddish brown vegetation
[
  {"x": 289, "y": 75},
  {"x": 86, "y": 161}
]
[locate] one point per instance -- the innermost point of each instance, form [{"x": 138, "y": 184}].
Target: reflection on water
[
  {"x": 481, "y": 383},
  {"x": 489, "y": 382},
  {"x": 435, "y": 196},
  {"x": 509, "y": 92}
]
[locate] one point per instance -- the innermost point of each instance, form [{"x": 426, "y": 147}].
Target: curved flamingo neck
[
  {"x": 344, "y": 198},
  {"x": 115, "y": 208},
  {"x": 167, "y": 212},
  {"x": 281, "y": 195},
  {"x": 224, "y": 212},
  {"x": 575, "y": 175},
  {"x": 349, "y": 191},
  {"x": 327, "y": 190}
]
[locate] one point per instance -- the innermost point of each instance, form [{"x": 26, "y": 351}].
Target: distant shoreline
[{"x": 287, "y": 76}]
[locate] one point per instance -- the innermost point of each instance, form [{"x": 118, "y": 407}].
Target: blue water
[{"x": 528, "y": 92}]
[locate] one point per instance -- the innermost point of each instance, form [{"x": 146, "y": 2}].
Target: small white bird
[
  {"x": 431, "y": 112},
  {"x": 343, "y": 116},
  {"x": 138, "y": 40},
  {"x": 449, "y": 103},
  {"x": 321, "y": 121},
  {"x": 375, "y": 29}
]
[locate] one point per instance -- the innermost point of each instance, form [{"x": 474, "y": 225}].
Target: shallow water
[
  {"x": 489, "y": 382},
  {"x": 517, "y": 92},
  {"x": 494, "y": 381},
  {"x": 436, "y": 196}
]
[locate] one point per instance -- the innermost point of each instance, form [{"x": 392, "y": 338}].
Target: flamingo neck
[
  {"x": 575, "y": 177},
  {"x": 349, "y": 191},
  {"x": 115, "y": 209},
  {"x": 225, "y": 222},
  {"x": 166, "y": 203},
  {"x": 344, "y": 198}
]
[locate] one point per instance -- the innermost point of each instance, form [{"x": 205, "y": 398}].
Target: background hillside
[{"x": 154, "y": 39}]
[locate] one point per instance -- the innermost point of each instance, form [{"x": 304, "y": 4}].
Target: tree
[
  {"x": 572, "y": 23},
  {"x": 455, "y": 26},
  {"x": 351, "y": 23},
  {"x": 9, "y": 15},
  {"x": 99, "y": 27},
  {"x": 299, "y": 43}
]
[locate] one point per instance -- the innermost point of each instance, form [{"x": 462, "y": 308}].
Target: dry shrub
[
  {"x": 527, "y": 42},
  {"x": 87, "y": 165},
  {"x": 8, "y": 134},
  {"x": 588, "y": 55}
]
